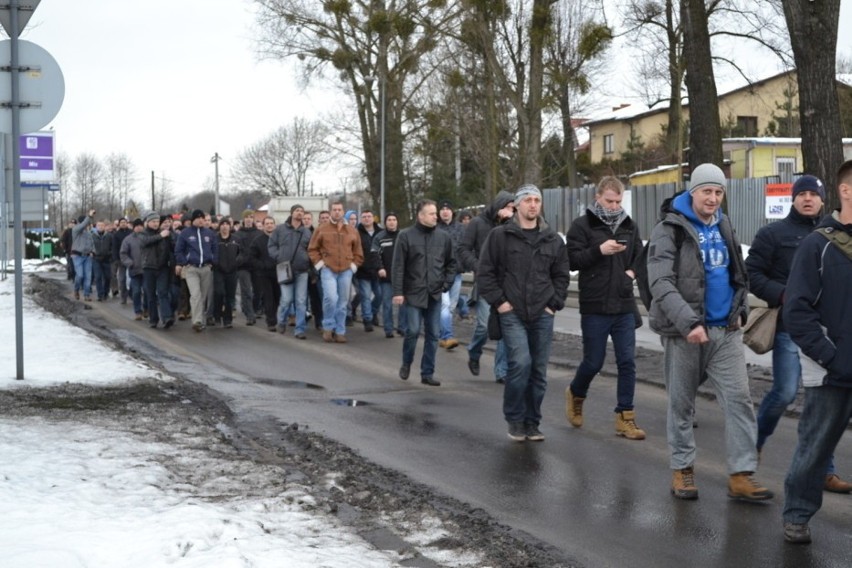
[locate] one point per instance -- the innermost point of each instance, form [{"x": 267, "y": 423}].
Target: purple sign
[
  {"x": 37, "y": 160},
  {"x": 36, "y": 145},
  {"x": 37, "y": 164}
]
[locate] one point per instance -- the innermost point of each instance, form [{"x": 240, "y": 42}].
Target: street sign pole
[{"x": 16, "y": 191}]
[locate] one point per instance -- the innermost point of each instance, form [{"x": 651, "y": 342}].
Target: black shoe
[
  {"x": 375, "y": 321},
  {"x": 211, "y": 321},
  {"x": 389, "y": 334},
  {"x": 169, "y": 323},
  {"x": 272, "y": 328},
  {"x": 250, "y": 321},
  {"x": 797, "y": 534},
  {"x": 430, "y": 381},
  {"x": 301, "y": 336},
  {"x": 198, "y": 327},
  {"x": 473, "y": 365},
  {"x": 153, "y": 325},
  {"x": 368, "y": 327},
  {"x": 517, "y": 431},
  {"x": 404, "y": 371},
  {"x": 349, "y": 322},
  {"x": 400, "y": 332},
  {"x": 500, "y": 380},
  {"x": 533, "y": 433},
  {"x": 228, "y": 325}
]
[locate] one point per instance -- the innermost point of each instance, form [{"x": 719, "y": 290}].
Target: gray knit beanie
[{"x": 707, "y": 174}]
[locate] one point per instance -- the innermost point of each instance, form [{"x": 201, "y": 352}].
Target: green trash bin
[{"x": 45, "y": 250}]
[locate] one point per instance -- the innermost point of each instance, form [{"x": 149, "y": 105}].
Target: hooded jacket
[
  {"x": 369, "y": 268},
  {"x": 230, "y": 256},
  {"x": 156, "y": 250},
  {"x": 102, "y": 245},
  {"x": 423, "y": 265},
  {"x": 384, "y": 243},
  {"x": 130, "y": 253},
  {"x": 81, "y": 238},
  {"x": 118, "y": 237},
  {"x": 477, "y": 230},
  {"x": 681, "y": 299},
  {"x": 529, "y": 274},
  {"x": 817, "y": 303},
  {"x": 289, "y": 243}
]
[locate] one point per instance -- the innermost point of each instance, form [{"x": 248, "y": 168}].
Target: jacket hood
[{"x": 500, "y": 201}]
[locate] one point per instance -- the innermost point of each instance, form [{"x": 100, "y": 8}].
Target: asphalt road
[{"x": 601, "y": 499}]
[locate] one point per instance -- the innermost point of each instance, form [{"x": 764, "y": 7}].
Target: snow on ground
[{"x": 83, "y": 495}]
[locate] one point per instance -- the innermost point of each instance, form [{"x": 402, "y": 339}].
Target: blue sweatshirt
[{"x": 718, "y": 292}]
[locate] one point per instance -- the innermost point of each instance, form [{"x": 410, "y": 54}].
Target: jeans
[
  {"x": 527, "y": 350},
  {"x": 335, "y": 298},
  {"x": 119, "y": 277},
  {"x": 368, "y": 287},
  {"x": 83, "y": 274},
  {"x": 416, "y": 317},
  {"x": 449, "y": 300},
  {"x": 387, "y": 310},
  {"x": 295, "y": 292},
  {"x": 597, "y": 328},
  {"x": 136, "y": 284},
  {"x": 101, "y": 274},
  {"x": 158, "y": 292},
  {"x": 825, "y": 416},
  {"x": 721, "y": 363},
  {"x": 480, "y": 336}
]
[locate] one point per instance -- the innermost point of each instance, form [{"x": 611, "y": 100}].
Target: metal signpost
[{"x": 35, "y": 90}]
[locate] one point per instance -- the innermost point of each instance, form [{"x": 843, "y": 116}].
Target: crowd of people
[{"x": 409, "y": 282}]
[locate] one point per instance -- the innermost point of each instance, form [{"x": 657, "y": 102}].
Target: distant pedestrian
[
  {"x": 367, "y": 278},
  {"x": 119, "y": 274},
  {"x": 157, "y": 270},
  {"x": 450, "y": 298},
  {"x": 82, "y": 251},
  {"x": 423, "y": 268},
  {"x": 384, "y": 244},
  {"x": 196, "y": 253},
  {"x": 130, "y": 254},
  {"x": 102, "y": 259},
  {"x": 264, "y": 279},
  {"x": 244, "y": 236},
  {"x": 523, "y": 273},
  {"x": 289, "y": 242},
  {"x": 228, "y": 262}
]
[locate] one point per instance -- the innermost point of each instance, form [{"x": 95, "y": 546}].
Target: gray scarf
[{"x": 612, "y": 219}]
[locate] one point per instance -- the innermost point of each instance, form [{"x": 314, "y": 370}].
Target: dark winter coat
[
  {"x": 456, "y": 231},
  {"x": 369, "y": 270},
  {"x": 156, "y": 250},
  {"x": 605, "y": 288},
  {"x": 384, "y": 243},
  {"x": 530, "y": 275},
  {"x": 102, "y": 245},
  {"x": 477, "y": 231},
  {"x": 118, "y": 237},
  {"x": 230, "y": 255},
  {"x": 423, "y": 265},
  {"x": 817, "y": 303},
  {"x": 288, "y": 243},
  {"x": 130, "y": 254},
  {"x": 244, "y": 237},
  {"x": 197, "y": 246},
  {"x": 259, "y": 261},
  {"x": 771, "y": 256}
]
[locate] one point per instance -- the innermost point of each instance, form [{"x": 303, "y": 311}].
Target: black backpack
[{"x": 640, "y": 267}]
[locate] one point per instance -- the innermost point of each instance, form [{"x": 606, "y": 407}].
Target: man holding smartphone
[{"x": 603, "y": 245}]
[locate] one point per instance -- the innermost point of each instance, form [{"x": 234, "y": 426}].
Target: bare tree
[
  {"x": 119, "y": 181},
  {"x": 263, "y": 167},
  {"x": 88, "y": 173}
]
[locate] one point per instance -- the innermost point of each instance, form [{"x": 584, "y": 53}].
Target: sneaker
[
  {"x": 349, "y": 322},
  {"x": 368, "y": 326},
  {"x": 743, "y": 486},
  {"x": 389, "y": 334},
  {"x": 281, "y": 327},
  {"x": 448, "y": 344},
  {"x": 228, "y": 325},
  {"x": 198, "y": 327},
  {"x": 625, "y": 425},
  {"x": 211, "y": 321},
  {"x": 251, "y": 321},
  {"x": 376, "y": 320},
  {"x": 534, "y": 434},
  {"x": 327, "y": 335},
  {"x": 473, "y": 365},
  {"x": 301, "y": 336},
  {"x": 404, "y": 372},
  {"x": 574, "y": 408},
  {"x": 169, "y": 323},
  {"x": 517, "y": 431},
  {"x": 430, "y": 381},
  {"x": 683, "y": 484},
  {"x": 834, "y": 484},
  {"x": 400, "y": 332},
  {"x": 500, "y": 380},
  {"x": 272, "y": 328},
  {"x": 796, "y": 533},
  {"x": 138, "y": 317},
  {"x": 340, "y": 338}
]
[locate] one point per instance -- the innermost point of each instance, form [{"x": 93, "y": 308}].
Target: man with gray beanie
[{"x": 700, "y": 302}]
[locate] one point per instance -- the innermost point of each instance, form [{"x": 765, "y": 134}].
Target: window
[
  {"x": 747, "y": 126},
  {"x": 785, "y": 167},
  {"x": 608, "y": 144}
]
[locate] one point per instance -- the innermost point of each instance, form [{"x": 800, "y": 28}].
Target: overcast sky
[{"x": 171, "y": 82}]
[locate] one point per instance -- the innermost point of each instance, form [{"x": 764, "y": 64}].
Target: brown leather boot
[
  {"x": 683, "y": 484},
  {"x": 574, "y": 408},
  {"x": 744, "y": 486},
  {"x": 625, "y": 425},
  {"x": 834, "y": 484}
]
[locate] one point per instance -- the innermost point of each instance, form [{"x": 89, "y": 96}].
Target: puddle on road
[
  {"x": 287, "y": 384},
  {"x": 348, "y": 402}
]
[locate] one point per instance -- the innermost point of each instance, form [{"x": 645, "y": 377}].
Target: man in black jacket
[
  {"x": 157, "y": 270},
  {"x": 603, "y": 245},
  {"x": 523, "y": 273},
  {"x": 228, "y": 262},
  {"x": 367, "y": 277},
  {"x": 500, "y": 210},
  {"x": 423, "y": 269},
  {"x": 248, "y": 299},
  {"x": 768, "y": 265},
  {"x": 119, "y": 274},
  {"x": 384, "y": 244}
]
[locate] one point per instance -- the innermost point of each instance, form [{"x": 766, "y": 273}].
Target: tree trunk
[
  {"x": 674, "y": 128},
  {"x": 813, "y": 35},
  {"x": 539, "y": 28},
  {"x": 705, "y": 132},
  {"x": 569, "y": 176}
]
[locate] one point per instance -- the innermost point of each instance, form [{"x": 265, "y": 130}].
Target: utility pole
[
  {"x": 215, "y": 159},
  {"x": 153, "y": 195}
]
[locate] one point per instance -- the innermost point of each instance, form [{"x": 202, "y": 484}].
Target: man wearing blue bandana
[{"x": 699, "y": 285}]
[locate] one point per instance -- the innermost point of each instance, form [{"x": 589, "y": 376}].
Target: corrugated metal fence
[{"x": 746, "y": 205}]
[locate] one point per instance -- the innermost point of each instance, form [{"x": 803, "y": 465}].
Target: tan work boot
[
  {"x": 327, "y": 335},
  {"x": 574, "y": 408},
  {"x": 683, "y": 484},
  {"x": 834, "y": 484},
  {"x": 448, "y": 344},
  {"x": 625, "y": 425},
  {"x": 744, "y": 486}
]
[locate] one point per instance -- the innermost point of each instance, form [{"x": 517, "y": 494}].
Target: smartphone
[{"x": 621, "y": 241}]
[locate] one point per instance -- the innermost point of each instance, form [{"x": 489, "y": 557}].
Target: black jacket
[
  {"x": 423, "y": 265},
  {"x": 230, "y": 257},
  {"x": 384, "y": 243},
  {"x": 156, "y": 251},
  {"x": 244, "y": 237},
  {"x": 456, "y": 231},
  {"x": 771, "y": 256},
  {"x": 370, "y": 269},
  {"x": 605, "y": 289},
  {"x": 259, "y": 261},
  {"x": 118, "y": 237},
  {"x": 103, "y": 245},
  {"x": 477, "y": 230},
  {"x": 817, "y": 303},
  {"x": 530, "y": 275}
]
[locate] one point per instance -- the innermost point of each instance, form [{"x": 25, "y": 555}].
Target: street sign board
[
  {"x": 25, "y": 10},
  {"x": 41, "y": 87},
  {"x": 37, "y": 156}
]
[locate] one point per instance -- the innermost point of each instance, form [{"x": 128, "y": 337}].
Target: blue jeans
[
  {"x": 101, "y": 274},
  {"x": 371, "y": 297},
  {"x": 136, "y": 284},
  {"x": 158, "y": 292},
  {"x": 294, "y": 293},
  {"x": 825, "y": 416},
  {"x": 597, "y": 328},
  {"x": 527, "y": 350},
  {"x": 83, "y": 274},
  {"x": 387, "y": 310},
  {"x": 480, "y": 336},
  {"x": 449, "y": 300},
  {"x": 335, "y": 297},
  {"x": 416, "y": 317}
]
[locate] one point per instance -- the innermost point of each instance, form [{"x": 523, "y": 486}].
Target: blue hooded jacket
[{"x": 719, "y": 294}]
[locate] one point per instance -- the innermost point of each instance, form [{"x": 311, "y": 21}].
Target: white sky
[
  {"x": 171, "y": 82},
  {"x": 76, "y": 495}
]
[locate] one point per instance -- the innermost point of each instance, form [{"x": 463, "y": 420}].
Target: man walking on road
[
  {"x": 423, "y": 269},
  {"x": 451, "y": 297},
  {"x": 699, "y": 287},
  {"x": 768, "y": 265},
  {"x": 817, "y": 305},
  {"x": 289, "y": 242},
  {"x": 500, "y": 210},
  {"x": 335, "y": 251},
  {"x": 603, "y": 245},
  {"x": 523, "y": 273},
  {"x": 196, "y": 253}
]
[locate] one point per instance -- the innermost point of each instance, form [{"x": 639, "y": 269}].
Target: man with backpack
[{"x": 700, "y": 302}]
